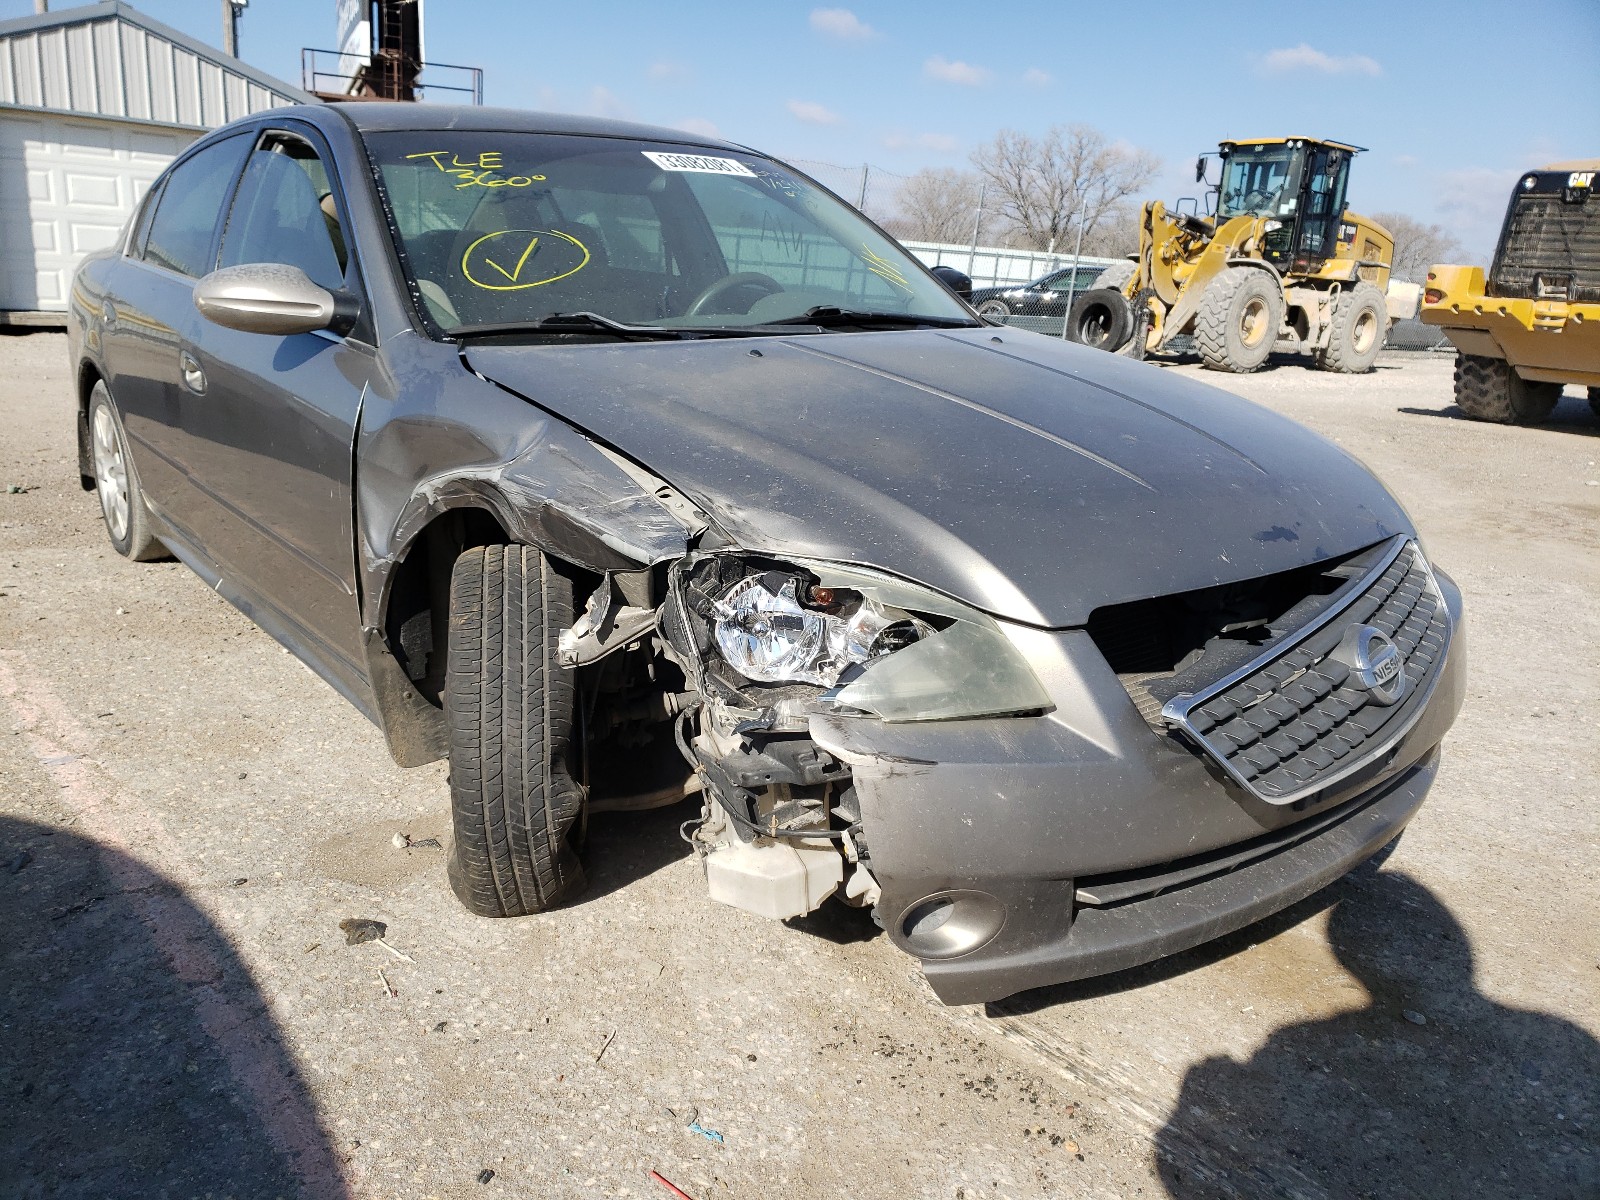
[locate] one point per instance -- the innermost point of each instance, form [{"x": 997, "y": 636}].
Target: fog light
[{"x": 949, "y": 924}]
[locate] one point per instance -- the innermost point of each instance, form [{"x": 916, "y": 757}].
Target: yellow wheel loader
[
  {"x": 1533, "y": 325},
  {"x": 1279, "y": 265}
]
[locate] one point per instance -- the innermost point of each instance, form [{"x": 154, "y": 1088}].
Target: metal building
[{"x": 94, "y": 102}]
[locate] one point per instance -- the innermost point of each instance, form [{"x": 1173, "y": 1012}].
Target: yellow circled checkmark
[
  {"x": 475, "y": 255},
  {"x": 521, "y": 262}
]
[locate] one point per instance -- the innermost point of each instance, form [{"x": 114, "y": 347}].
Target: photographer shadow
[
  {"x": 1430, "y": 1090},
  {"x": 140, "y": 1057}
]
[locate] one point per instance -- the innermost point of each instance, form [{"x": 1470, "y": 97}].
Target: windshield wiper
[
  {"x": 593, "y": 322},
  {"x": 573, "y": 322},
  {"x": 829, "y": 316}
]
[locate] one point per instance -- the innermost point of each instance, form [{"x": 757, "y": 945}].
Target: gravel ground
[{"x": 186, "y": 815}]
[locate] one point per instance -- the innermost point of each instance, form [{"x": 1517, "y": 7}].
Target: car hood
[{"x": 1032, "y": 478}]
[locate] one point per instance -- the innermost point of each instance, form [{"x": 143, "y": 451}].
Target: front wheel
[
  {"x": 1238, "y": 321},
  {"x": 122, "y": 505},
  {"x": 1487, "y": 389},
  {"x": 998, "y": 309},
  {"x": 516, "y": 810}
]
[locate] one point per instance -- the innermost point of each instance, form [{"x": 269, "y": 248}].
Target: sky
[{"x": 1454, "y": 100}]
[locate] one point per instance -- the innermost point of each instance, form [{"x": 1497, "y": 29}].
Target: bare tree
[
  {"x": 1418, "y": 246},
  {"x": 1041, "y": 187},
  {"x": 937, "y": 204}
]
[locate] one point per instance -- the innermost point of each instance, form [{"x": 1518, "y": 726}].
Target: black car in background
[{"x": 1046, "y": 296}]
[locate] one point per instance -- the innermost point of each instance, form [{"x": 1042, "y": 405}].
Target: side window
[
  {"x": 141, "y": 224},
  {"x": 186, "y": 214},
  {"x": 284, "y": 212}
]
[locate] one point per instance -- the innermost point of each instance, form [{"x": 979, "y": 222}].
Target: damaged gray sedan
[{"x": 628, "y": 469}]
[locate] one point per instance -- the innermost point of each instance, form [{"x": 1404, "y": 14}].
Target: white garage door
[{"x": 66, "y": 187}]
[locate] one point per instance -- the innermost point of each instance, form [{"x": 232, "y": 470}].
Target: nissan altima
[{"x": 626, "y": 469}]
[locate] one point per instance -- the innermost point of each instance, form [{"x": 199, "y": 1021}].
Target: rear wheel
[
  {"x": 1487, "y": 389},
  {"x": 1356, "y": 333},
  {"x": 1101, "y": 318},
  {"x": 516, "y": 810},
  {"x": 122, "y": 505},
  {"x": 1594, "y": 401},
  {"x": 1239, "y": 319},
  {"x": 994, "y": 308}
]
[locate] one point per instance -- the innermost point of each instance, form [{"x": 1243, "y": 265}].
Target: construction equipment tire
[
  {"x": 1239, "y": 319},
  {"x": 516, "y": 810},
  {"x": 1487, "y": 389},
  {"x": 1594, "y": 401},
  {"x": 1116, "y": 276},
  {"x": 1357, "y": 331},
  {"x": 1101, "y": 318}
]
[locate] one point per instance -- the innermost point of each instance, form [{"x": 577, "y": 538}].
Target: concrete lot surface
[{"x": 187, "y": 814}]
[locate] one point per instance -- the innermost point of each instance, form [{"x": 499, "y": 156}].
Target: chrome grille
[{"x": 1299, "y": 719}]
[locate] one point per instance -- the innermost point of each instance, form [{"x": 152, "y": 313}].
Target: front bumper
[
  {"x": 1084, "y": 841},
  {"x": 1554, "y": 341}
]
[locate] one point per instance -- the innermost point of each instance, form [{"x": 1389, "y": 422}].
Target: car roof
[{"x": 379, "y": 117}]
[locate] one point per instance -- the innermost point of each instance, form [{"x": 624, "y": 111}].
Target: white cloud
[
  {"x": 1473, "y": 202},
  {"x": 1305, "y": 58},
  {"x": 1405, "y": 160},
  {"x": 667, "y": 71},
  {"x": 942, "y": 69},
  {"x": 941, "y": 143},
  {"x": 699, "y": 126},
  {"x": 842, "y": 24},
  {"x": 1035, "y": 78},
  {"x": 603, "y": 102},
  {"x": 812, "y": 113}
]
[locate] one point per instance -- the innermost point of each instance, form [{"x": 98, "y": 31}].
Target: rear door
[
  {"x": 272, "y": 424},
  {"x": 149, "y": 318}
]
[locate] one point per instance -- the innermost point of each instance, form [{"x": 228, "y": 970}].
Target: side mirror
[
  {"x": 957, "y": 281},
  {"x": 273, "y": 298},
  {"x": 1200, "y": 165}
]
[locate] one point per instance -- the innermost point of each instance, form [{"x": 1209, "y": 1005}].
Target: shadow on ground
[
  {"x": 1571, "y": 415},
  {"x": 139, "y": 1060},
  {"x": 1480, "y": 1100},
  {"x": 625, "y": 846}
]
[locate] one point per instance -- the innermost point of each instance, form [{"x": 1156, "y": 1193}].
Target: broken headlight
[{"x": 882, "y": 646}]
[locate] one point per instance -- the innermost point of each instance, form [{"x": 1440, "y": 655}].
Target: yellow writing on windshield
[
  {"x": 884, "y": 269},
  {"x": 510, "y": 260},
  {"x": 476, "y": 172}
]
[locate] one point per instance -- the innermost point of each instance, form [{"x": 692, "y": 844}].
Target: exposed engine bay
[{"x": 735, "y": 659}]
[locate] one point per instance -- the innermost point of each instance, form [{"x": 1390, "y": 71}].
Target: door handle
[{"x": 193, "y": 377}]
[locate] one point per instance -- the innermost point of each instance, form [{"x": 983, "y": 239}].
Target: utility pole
[
  {"x": 977, "y": 226},
  {"x": 862, "y": 203},
  {"x": 1072, "y": 285},
  {"x": 230, "y": 24}
]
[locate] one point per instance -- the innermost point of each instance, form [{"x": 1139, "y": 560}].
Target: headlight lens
[
  {"x": 775, "y": 627},
  {"x": 766, "y": 634}
]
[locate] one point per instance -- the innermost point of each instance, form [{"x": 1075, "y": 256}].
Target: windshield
[
  {"x": 1261, "y": 181},
  {"x": 509, "y": 228}
]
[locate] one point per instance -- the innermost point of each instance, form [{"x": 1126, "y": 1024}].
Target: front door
[{"x": 271, "y": 420}]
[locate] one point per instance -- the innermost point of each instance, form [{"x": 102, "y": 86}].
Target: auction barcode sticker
[{"x": 698, "y": 162}]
